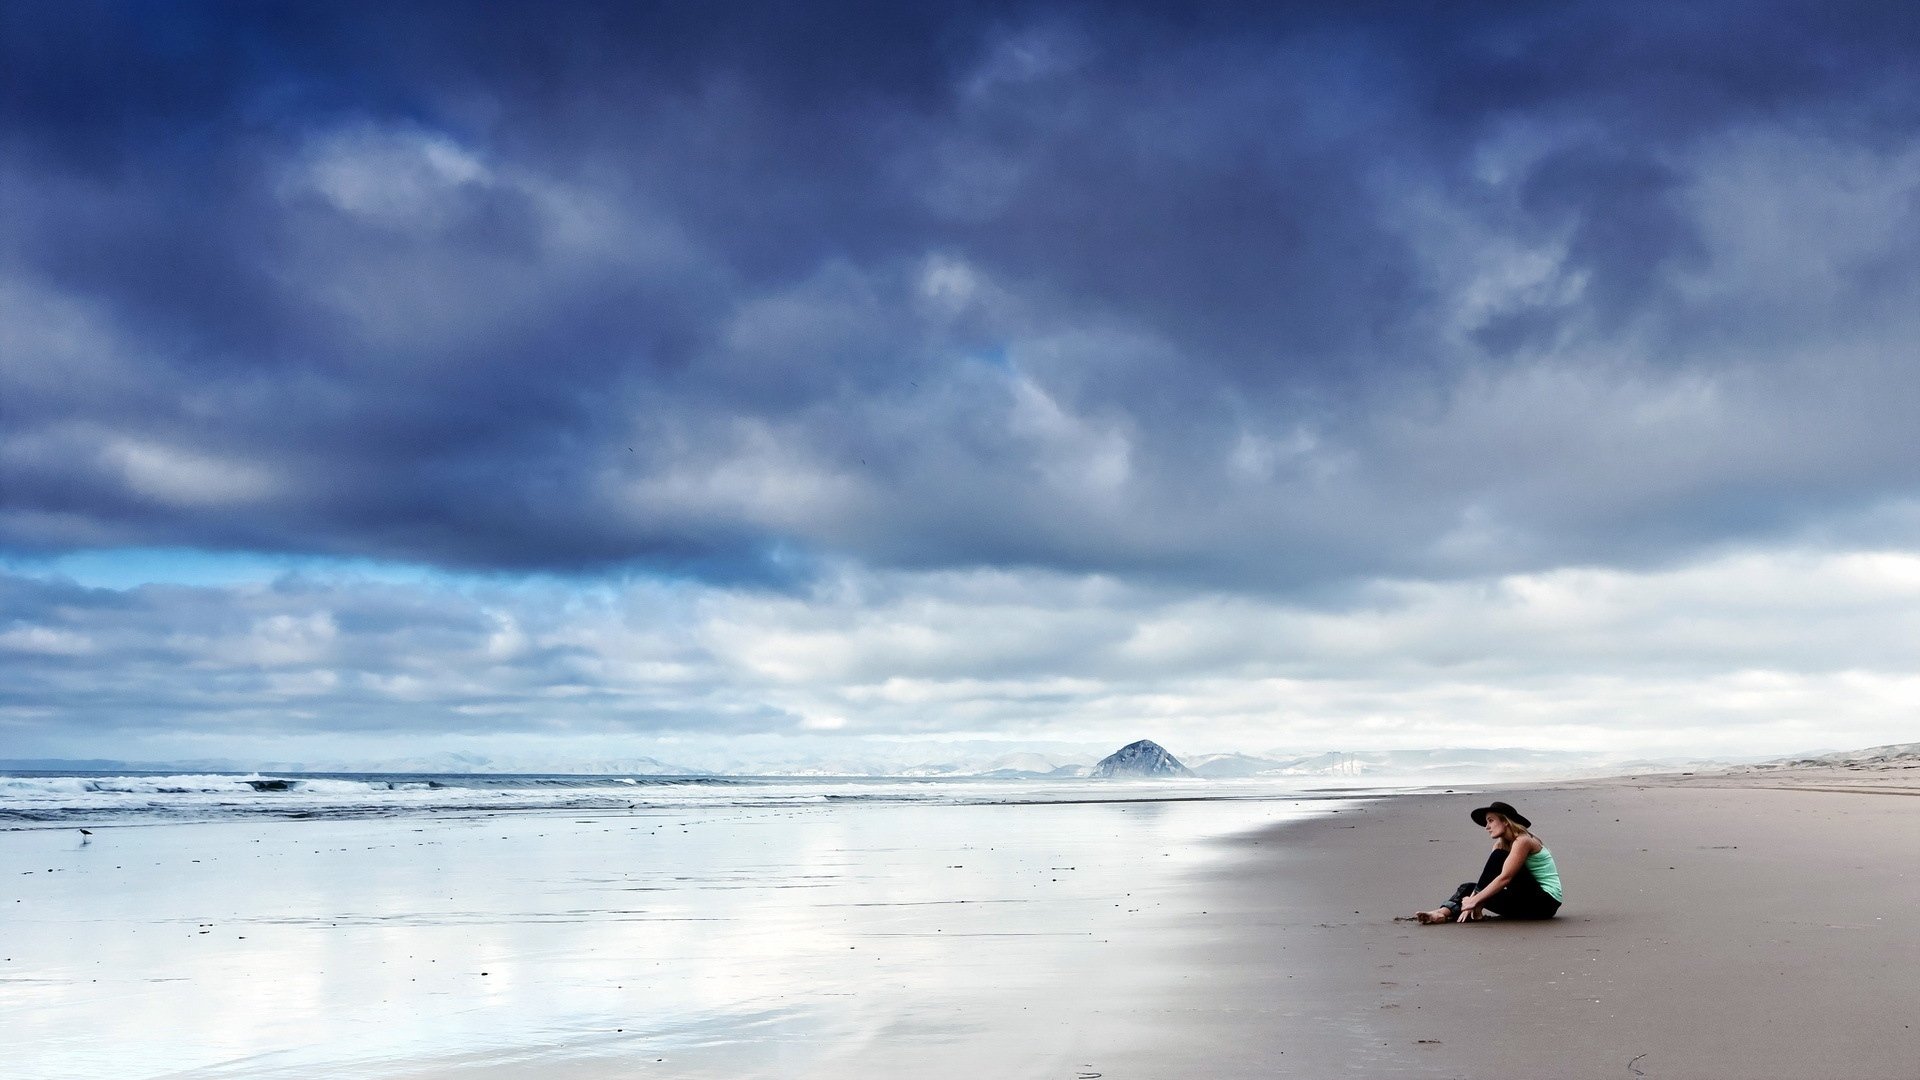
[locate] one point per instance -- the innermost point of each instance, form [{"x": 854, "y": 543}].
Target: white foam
[{"x": 55, "y": 801}]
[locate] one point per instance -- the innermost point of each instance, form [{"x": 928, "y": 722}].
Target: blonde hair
[{"x": 1513, "y": 831}]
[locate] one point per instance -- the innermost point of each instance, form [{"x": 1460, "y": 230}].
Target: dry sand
[{"x": 1726, "y": 926}]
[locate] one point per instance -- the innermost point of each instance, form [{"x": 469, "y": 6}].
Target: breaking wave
[{"x": 48, "y": 800}]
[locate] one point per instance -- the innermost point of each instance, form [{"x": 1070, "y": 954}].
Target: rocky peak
[{"x": 1143, "y": 758}]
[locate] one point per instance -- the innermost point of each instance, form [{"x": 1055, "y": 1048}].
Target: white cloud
[
  {"x": 187, "y": 477},
  {"x": 1799, "y": 221},
  {"x": 44, "y": 641},
  {"x": 1078, "y": 456},
  {"x": 399, "y": 177},
  {"x": 747, "y": 470},
  {"x": 289, "y": 639},
  {"x": 1751, "y": 653}
]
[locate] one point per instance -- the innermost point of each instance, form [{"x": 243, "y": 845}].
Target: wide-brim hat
[{"x": 1504, "y": 810}]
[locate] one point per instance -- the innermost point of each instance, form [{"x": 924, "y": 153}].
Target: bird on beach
[{"x": 86, "y": 836}]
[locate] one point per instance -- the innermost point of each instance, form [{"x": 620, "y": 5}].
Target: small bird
[{"x": 86, "y": 836}]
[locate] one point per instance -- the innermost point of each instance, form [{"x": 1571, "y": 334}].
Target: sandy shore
[
  {"x": 1738, "y": 925},
  {"x": 1728, "y": 926}
]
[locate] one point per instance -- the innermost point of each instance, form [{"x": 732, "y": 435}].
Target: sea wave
[
  {"x": 147, "y": 797},
  {"x": 45, "y": 800}
]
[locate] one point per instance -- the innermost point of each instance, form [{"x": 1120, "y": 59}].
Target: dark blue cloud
[{"x": 1245, "y": 296}]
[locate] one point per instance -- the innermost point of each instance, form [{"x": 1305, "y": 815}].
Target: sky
[{"x": 768, "y": 382}]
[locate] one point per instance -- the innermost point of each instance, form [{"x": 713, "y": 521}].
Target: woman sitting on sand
[{"x": 1519, "y": 881}]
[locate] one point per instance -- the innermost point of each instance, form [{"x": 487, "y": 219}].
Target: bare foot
[{"x": 1437, "y": 915}]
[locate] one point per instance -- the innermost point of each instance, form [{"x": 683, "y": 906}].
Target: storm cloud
[
  {"x": 1334, "y": 291},
  {"x": 1280, "y": 307}
]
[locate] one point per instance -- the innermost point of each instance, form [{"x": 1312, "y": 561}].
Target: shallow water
[{"x": 848, "y": 938}]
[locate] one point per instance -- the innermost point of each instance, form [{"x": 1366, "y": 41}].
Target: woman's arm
[{"x": 1516, "y": 859}]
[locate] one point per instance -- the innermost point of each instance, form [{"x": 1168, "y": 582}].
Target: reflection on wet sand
[{"x": 849, "y": 940}]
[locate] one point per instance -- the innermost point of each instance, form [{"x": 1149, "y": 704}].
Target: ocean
[
  {"x": 384, "y": 926},
  {"x": 52, "y": 799}
]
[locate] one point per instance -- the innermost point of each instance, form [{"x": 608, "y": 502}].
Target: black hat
[{"x": 1505, "y": 811}]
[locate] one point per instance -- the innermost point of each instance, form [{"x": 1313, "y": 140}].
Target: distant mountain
[
  {"x": 1031, "y": 766},
  {"x": 1145, "y": 758},
  {"x": 639, "y": 766},
  {"x": 1896, "y": 755},
  {"x": 110, "y": 765},
  {"x": 467, "y": 764},
  {"x": 1055, "y": 773},
  {"x": 1339, "y": 763},
  {"x": 448, "y": 764},
  {"x": 1233, "y": 766},
  {"x": 1434, "y": 765},
  {"x": 1019, "y": 766},
  {"x": 89, "y": 765}
]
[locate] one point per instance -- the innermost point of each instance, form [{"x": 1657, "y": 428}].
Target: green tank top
[{"x": 1540, "y": 865}]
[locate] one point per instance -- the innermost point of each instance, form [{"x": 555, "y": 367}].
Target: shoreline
[
  {"x": 1716, "y": 925},
  {"x": 1721, "y": 925},
  {"x": 858, "y": 940}
]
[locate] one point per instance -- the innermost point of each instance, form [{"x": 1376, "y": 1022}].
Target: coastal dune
[{"x": 1735, "y": 926}]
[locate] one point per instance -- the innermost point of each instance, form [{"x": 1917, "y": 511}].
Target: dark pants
[{"x": 1523, "y": 898}]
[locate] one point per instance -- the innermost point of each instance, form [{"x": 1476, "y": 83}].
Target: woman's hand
[{"x": 1470, "y": 908}]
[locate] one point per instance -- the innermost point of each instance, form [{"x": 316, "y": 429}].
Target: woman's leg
[
  {"x": 1523, "y": 898},
  {"x": 1450, "y": 910}
]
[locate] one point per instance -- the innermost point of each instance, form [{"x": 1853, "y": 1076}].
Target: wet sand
[
  {"x": 1728, "y": 926},
  {"x": 862, "y": 940}
]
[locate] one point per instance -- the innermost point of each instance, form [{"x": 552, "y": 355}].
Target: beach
[{"x": 1740, "y": 925}]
